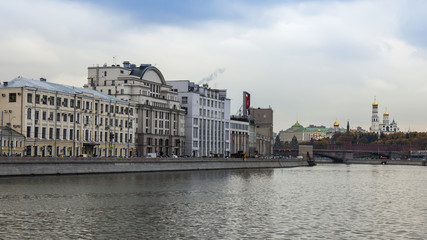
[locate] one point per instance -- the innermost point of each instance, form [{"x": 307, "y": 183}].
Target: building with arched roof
[{"x": 160, "y": 119}]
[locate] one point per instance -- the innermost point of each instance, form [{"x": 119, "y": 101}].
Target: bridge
[{"x": 348, "y": 152}]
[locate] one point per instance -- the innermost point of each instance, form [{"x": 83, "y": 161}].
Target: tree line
[{"x": 411, "y": 138}]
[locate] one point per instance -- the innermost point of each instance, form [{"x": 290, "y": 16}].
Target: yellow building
[
  {"x": 55, "y": 120},
  {"x": 303, "y": 134}
]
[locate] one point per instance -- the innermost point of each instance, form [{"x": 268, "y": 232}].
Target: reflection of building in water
[{"x": 386, "y": 126}]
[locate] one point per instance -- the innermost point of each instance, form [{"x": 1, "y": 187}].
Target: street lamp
[{"x": 10, "y": 135}]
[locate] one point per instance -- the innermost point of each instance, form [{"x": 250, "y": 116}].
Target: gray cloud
[{"x": 320, "y": 60}]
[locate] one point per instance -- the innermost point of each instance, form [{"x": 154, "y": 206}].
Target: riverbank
[
  {"x": 17, "y": 166},
  {"x": 376, "y": 162}
]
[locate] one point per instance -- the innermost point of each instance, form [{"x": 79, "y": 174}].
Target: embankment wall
[{"x": 52, "y": 166}]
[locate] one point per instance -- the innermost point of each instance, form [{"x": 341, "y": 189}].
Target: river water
[{"x": 322, "y": 202}]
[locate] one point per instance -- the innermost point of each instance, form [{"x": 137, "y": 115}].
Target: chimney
[{"x": 42, "y": 79}]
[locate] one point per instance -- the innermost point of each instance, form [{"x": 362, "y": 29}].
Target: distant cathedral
[{"x": 385, "y": 127}]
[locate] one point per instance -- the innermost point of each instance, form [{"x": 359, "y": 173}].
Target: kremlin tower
[{"x": 375, "y": 127}]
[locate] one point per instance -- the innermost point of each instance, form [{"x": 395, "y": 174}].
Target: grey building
[{"x": 263, "y": 118}]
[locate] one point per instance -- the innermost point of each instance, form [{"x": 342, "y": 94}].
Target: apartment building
[
  {"x": 207, "y": 119},
  {"x": 57, "y": 119}
]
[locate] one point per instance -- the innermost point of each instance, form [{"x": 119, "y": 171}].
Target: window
[
  {"x": 58, "y": 132},
  {"x": 37, "y": 115},
  {"x": 50, "y": 133},
  {"x": 43, "y": 132},
  {"x": 58, "y": 117},
  {"x": 71, "y": 102},
  {"x": 184, "y": 100},
  {"x": 29, "y": 97},
  {"x": 29, "y": 113},
  {"x": 36, "y": 132},
  {"x": 12, "y": 97},
  {"x": 51, "y": 101},
  {"x": 44, "y": 99},
  {"x": 65, "y": 103},
  {"x": 71, "y": 134},
  {"x": 58, "y": 101},
  {"x": 195, "y": 131},
  {"x": 37, "y": 98},
  {"x": 28, "y": 131},
  {"x": 64, "y": 135}
]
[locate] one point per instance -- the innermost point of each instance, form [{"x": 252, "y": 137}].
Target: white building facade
[
  {"x": 160, "y": 119},
  {"x": 239, "y": 135},
  {"x": 207, "y": 122},
  {"x": 386, "y": 126}
]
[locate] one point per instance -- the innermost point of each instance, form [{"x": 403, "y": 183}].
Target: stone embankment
[{"x": 19, "y": 166}]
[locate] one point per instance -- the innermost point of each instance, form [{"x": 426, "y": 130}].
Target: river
[{"x": 322, "y": 202}]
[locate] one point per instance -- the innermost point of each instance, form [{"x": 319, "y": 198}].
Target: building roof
[
  {"x": 55, "y": 87},
  {"x": 297, "y": 127},
  {"x": 6, "y": 131}
]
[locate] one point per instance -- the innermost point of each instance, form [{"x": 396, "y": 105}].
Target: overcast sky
[{"x": 311, "y": 61}]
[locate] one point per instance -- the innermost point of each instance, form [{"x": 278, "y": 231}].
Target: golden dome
[
  {"x": 297, "y": 123},
  {"x": 318, "y": 130},
  {"x": 386, "y": 114},
  {"x": 375, "y": 103},
  {"x": 336, "y": 124}
]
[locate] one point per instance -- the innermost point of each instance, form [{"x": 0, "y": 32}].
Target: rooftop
[{"x": 55, "y": 87}]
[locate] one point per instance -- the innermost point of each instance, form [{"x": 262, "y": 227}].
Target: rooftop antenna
[{"x": 114, "y": 60}]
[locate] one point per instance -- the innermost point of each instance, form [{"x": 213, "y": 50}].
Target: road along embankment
[{"x": 53, "y": 166}]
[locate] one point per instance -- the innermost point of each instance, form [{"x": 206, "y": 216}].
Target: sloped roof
[{"x": 55, "y": 87}]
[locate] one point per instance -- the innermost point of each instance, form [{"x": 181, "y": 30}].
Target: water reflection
[{"x": 329, "y": 201}]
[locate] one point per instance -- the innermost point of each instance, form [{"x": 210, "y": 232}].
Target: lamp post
[{"x": 10, "y": 136}]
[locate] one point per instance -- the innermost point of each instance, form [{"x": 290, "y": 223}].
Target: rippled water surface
[{"x": 322, "y": 202}]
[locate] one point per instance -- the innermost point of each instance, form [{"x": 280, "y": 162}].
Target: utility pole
[{"x": 1, "y": 138}]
